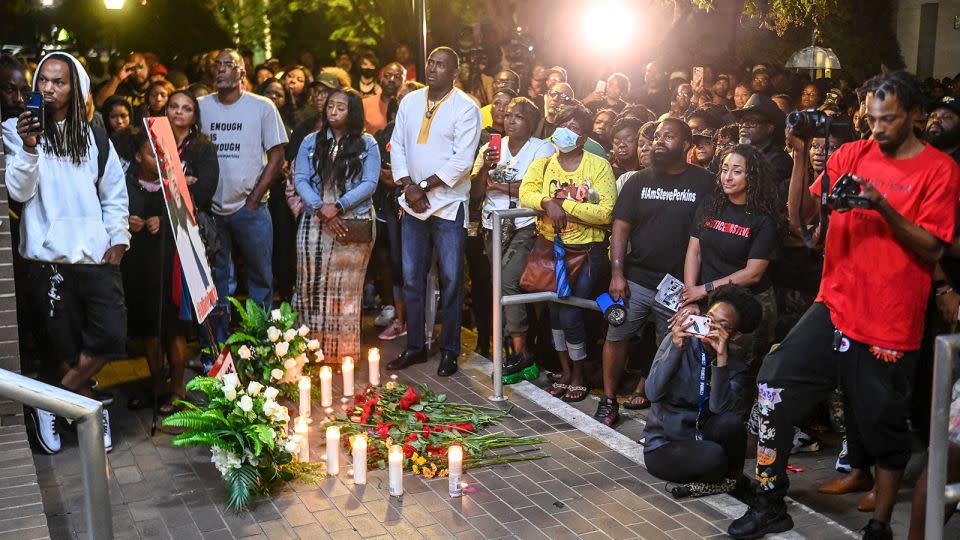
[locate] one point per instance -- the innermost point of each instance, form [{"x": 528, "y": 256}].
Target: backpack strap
[{"x": 102, "y": 141}]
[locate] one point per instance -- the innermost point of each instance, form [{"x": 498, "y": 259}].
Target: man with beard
[
  {"x": 131, "y": 82},
  {"x": 863, "y": 332},
  {"x": 653, "y": 213},
  {"x": 761, "y": 126},
  {"x": 375, "y": 107},
  {"x": 249, "y": 135},
  {"x": 943, "y": 127}
]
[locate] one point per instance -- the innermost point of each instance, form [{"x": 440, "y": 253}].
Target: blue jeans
[
  {"x": 566, "y": 322},
  {"x": 252, "y": 233},
  {"x": 420, "y": 239}
]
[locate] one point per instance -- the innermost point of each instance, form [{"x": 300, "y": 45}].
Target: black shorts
[{"x": 83, "y": 310}]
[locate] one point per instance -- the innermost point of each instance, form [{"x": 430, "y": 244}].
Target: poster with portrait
[{"x": 183, "y": 221}]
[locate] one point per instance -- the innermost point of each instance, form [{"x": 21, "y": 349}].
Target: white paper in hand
[{"x": 668, "y": 292}]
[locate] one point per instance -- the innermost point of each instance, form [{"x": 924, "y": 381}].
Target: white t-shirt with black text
[{"x": 243, "y": 132}]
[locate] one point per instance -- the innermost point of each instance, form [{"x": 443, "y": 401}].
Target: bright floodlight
[
  {"x": 608, "y": 25},
  {"x": 113, "y": 4}
]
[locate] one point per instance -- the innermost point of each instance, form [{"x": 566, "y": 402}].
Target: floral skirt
[{"x": 329, "y": 290}]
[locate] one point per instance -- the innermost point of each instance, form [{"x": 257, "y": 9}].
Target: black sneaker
[
  {"x": 762, "y": 517},
  {"x": 608, "y": 412},
  {"x": 877, "y": 530},
  {"x": 516, "y": 363}
]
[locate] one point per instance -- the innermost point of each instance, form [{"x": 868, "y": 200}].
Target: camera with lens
[
  {"x": 846, "y": 194},
  {"x": 809, "y": 124}
]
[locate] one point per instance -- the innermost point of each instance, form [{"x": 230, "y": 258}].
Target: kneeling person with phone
[{"x": 695, "y": 431}]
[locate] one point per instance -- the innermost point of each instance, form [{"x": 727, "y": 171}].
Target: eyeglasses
[
  {"x": 225, "y": 65},
  {"x": 751, "y": 124},
  {"x": 559, "y": 95}
]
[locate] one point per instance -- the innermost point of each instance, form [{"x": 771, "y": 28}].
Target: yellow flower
[
  {"x": 429, "y": 473},
  {"x": 444, "y": 473},
  {"x": 420, "y": 459},
  {"x": 415, "y": 457},
  {"x": 416, "y": 470}
]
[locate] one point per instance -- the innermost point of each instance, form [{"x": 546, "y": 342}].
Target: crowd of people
[{"x": 301, "y": 177}]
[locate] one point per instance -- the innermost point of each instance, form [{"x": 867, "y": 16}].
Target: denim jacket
[{"x": 357, "y": 201}]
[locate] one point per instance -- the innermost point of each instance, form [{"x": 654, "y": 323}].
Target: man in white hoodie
[{"x": 74, "y": 225}]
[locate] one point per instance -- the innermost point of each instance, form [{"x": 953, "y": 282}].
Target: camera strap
[
  {"x": 703, "y": 397},
  {"x": 807, "y": 231}
]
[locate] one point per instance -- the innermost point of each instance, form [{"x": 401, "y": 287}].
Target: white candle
[
  {"x": 373, "y": 359},
  {"x": 347, "y": 368},
  {"x": 333, "y": 450},
  {"x": 396, "y": 470},
  {"x": 455, "y": 459},
  {"x": 304, "y": 396},
  {"x": 302, "y": 431},
  {"x": 360, "y": 460},
  {"x": 326, "y": 386}
]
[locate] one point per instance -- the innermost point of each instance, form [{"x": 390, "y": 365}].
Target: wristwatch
[
  {"x": 708, "y": 287},
  {"x": 423, "y": 185},
  {"x": 338, "y": 206}
]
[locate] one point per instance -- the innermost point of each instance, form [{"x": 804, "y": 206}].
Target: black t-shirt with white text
[
  {"x": 661, "y": 209},
  {"x": 733, "y": 237}
]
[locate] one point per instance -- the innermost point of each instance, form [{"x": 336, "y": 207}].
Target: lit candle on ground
[
  {"x": 373, "y": 360},
  {"x": 333, "y": 450},
  {"x": 396, "y": 470},
  {"x": 304, "y": 396},
  {"x": 326, "y": 386},
  {"x": 455, "y": 460},
  {"x": 360, "y": 460},
  {"x": 347, "y": 369},
  {"x": 302, "y": 430}
]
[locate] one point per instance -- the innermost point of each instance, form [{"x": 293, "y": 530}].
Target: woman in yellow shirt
[{"x": 581, "y": 185}]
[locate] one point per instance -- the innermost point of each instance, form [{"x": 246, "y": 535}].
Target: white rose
[
  {"x": 245, "y": 404},
  {"x": 281, "y": 415},
  {"x": 282, "y": 348},
  {"x": 275, "y": 315},
  {"x": 244, "y": 353},
  {"x": 254, "y": 388},
  {"x": 303, "y": 330},
  {"x": 313, "y": 345},
  {"x": 289, "y": 335},
  {"x": 290, "y": 363},
  {"x": 231, "y": 380},
  {"x": 271, "y": 393},
  {"x": 273, "y": 333},
  {"x": 276, "y": 374},
  {"x": 230, "y": 392},
  {"x": 319, "y": 356},
  {"x": 293, "y": 445},
  {"x": 269, "y": 408}
]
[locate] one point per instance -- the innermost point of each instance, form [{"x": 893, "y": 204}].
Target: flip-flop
[
  {"x": 557, "y": 390},
  {"x": 575, "y": 393},
  {"x": 636, "y": 402}
]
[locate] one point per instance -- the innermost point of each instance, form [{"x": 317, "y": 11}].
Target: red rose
[
  {"x": 408, "y": 399},
  {"x": 408, "y": 450},
  {"x": 364, "y": 417},
  {"x": 466, "y": 427},
  {"x": 383, "y": 430},
  {"x": 411, "y": 437},
  {"x": 421, "y": 417},
  {"x": 426, "y": 431}
]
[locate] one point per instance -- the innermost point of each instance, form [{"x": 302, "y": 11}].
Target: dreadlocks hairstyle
[
  {"x": 902, "y": 84},
  {"x": 335, "y": 161},
  {"x": 73, "y": 141},
  {"x": 762, "y": 199}
]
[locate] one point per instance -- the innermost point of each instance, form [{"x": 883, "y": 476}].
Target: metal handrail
[
  {"x": 88, "y": 413},
  {"x": 496, "y": 262},
  {"x": 938, "y": 493}
]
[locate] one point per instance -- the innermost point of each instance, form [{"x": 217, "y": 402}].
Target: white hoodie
[{"x": 65, "y": 219}]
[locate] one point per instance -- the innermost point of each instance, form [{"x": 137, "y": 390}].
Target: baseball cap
[
  {"x": 948, "y": 102},
  {"x": 329, "y": 80},
  {"x": 705, "y": 133},
  {"x": 558, "y": 69}
]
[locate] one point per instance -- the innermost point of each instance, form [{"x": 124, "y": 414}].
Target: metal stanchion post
[
  {"x": 93, "y": 467},
  {"x": 939, "y": 415},
  {"x": 496, "y": 262}
]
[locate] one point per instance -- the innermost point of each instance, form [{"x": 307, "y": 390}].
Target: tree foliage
[{"x": 776, "y": 15}]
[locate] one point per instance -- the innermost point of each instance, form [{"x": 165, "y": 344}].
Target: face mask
[
  {"x": 368, "y": 72},
  {"x": 565, "y": 140}
]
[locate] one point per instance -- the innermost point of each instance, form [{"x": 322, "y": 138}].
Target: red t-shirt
[
  {"x": 875, "y": 287},
  {"x": 374, "y": 114}
]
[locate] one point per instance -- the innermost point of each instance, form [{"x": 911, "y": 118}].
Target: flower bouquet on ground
[
  {"x": 426, "y": 425},
  {"x": 246, "y": 430},
  {"x": 267, "y": 348}
]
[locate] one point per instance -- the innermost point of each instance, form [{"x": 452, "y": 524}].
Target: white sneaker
[
  {"x": 843, "y": 460},
  {"x": 385, "y": 317},
  {"x": 45, "y": 424},
  {"x": 803, "y": 442},
  {"x": 107, "y": 436}
]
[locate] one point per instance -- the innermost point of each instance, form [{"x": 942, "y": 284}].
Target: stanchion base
[{"x": 496, "y": 398}]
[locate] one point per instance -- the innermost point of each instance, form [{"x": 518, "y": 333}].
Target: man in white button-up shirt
[{"x": 431, "y": 153}]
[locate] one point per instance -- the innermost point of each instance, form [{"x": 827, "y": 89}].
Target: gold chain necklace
[{"x": 432, "y": 105}]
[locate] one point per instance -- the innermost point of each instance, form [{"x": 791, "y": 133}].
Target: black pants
[
  {"x": 722, "y": 451},
  {"x": 803, "y": 371}
]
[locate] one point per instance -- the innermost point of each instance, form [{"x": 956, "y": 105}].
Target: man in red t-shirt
[{"x": 863, "y": 332}]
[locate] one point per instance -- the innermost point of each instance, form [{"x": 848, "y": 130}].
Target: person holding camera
[
  {"x": 894, "y": 203},
  {"x": 695, "y": 430},
  {"x": 75, "y": 229}
]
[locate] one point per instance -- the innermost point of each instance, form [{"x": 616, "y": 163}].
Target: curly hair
[
  {"x": 748, "y": 308},
  {"x": 335, "y": 161},
  {"x": 762, "y": 198}
]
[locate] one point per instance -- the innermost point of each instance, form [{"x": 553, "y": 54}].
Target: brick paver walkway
[{"x": 593, "y": 486}]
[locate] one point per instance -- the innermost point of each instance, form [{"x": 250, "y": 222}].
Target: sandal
[
  {"x": 575, "y": 393},
  {"x": 557, "y": 390},
  {"x": 554, "y": 377},
  {"x": 636, "y": 402},
  {"x": 169, "y": 407}
]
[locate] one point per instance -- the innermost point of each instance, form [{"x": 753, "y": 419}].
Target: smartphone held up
[
  {"x": 698, "y": 325},
  {"x": 34, "y": 106}
]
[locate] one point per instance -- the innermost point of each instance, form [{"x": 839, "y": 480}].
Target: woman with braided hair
[{"x": 735, "y": 238}]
